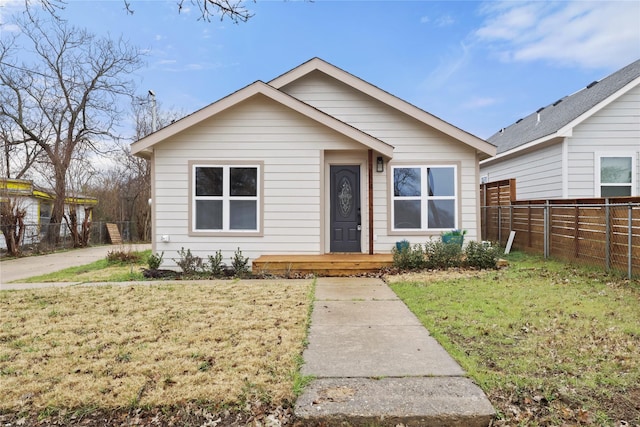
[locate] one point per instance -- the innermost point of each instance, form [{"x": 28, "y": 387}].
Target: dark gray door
[{"x": 345, "y": 208}]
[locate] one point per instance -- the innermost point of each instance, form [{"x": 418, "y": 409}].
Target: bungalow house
[
  {"x": 316, "y": 161},
  {"x": 581, "y": 146},
  {"x": 38, "y": 204}
]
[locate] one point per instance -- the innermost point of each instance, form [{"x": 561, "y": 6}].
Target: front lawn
[
  {"x": 115, "y": 349},
  {"x": 548, "y": 342}
]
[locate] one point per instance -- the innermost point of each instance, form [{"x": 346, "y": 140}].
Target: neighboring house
[
  {"x": 38, "y": 204},
  {"x": 582, "y": 146},
  {"x": 316, "y": 161}
]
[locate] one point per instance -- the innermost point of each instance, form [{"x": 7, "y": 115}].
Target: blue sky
[{"x": 477, "y": 65}]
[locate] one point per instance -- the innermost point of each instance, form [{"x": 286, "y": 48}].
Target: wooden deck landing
[{"x": 346, "y": 264}]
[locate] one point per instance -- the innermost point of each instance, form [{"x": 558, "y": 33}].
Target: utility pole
[{"x": 154, "y": 111}]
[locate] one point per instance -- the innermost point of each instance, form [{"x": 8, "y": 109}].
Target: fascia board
[
  {"x": 142, "y": 146},
  {"x": 522, "y": 149}
]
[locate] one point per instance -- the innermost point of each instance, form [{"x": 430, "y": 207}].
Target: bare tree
[
  {"x": 12, "y": 226},
  {"x": 234, "y": 10},
  {"x": 66, "y": 100}
]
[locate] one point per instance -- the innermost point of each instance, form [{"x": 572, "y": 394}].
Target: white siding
[
  {"x": 412, "y": 140},
  {"x": 613, "y": 130},
  {"x": 538, "y": 174},
  {"x": 290, "y": 147}
]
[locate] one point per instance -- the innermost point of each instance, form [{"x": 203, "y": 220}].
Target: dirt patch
[{"x": 430, "y": 276}]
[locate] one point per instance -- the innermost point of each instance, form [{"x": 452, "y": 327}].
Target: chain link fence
[
  {"x": 600, "y": 234},
  {"x": 34, "y": 236}
]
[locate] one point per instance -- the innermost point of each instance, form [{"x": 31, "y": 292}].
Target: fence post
[
  {"x": 607, "y": 239},
  {"x": 499, "y": 224},
  {"x": 629, "y": 242},
  {"x": 546, "y": 229}
]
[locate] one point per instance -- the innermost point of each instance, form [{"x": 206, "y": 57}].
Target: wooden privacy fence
[{"x": 603, "y": 232}]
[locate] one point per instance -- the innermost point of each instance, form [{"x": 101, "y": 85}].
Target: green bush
[
  {"x": 154, "y": 261},
  {"x": 482, "y": 256},
  {"x": 239, "y": 264},
  {"x": 216, "y": 266},
  {"x": 441, "y": 256},
  {"x": 408, "y": 258}
]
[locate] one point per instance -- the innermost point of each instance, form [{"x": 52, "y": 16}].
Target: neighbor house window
[
  {"x": 424, "y": 198},
  {"x": 226, "y": 198},
  {"x": 616, "y": 176}
]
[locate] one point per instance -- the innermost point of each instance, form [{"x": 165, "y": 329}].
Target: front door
[{"x": 345, "y": 208}]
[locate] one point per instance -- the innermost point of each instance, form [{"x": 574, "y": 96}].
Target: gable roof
[
  {"x": 317, "y": 64},
  {"x": 272, "y": 90},
  {"x": 142, "y": 147},
  {"x": 559, "y": 118}
]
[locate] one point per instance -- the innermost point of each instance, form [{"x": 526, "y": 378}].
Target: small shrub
[
  {"x": 482, "y": 256},
  {"x": 239, "y": 264},
  {"x": 189, "y": 263},
  {"x": 216, "y": 266},
  {"x": 123, "y": 257},
  {"x": 154, "y": 261},
  {"x": 441, "y": 256},
  {"x": 408, "y": 257}
]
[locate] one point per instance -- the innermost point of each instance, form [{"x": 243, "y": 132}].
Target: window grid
[
  {"x": 226, "y": 198},
  {"x": 424, "y": 198}
]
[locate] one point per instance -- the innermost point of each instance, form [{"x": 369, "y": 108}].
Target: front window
[
  {"x": 226, "y": 198},
  {"x": 424, "y": 198},
  {"x": 616, "y": 176}
]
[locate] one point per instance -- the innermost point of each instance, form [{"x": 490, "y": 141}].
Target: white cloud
[
  {"x": 441, "y": 21},
  {"x": 444, "y": 21},
  {"x": 455, "y": 60},
  {"x": 479, "y": 103},
  {"x": 588, "y": 34}
]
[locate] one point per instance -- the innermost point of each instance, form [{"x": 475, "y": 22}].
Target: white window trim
[
  {"x": 634, "y": 172},
  {"x": 226, "y": 198},
  {"x": 424, "y": 197}
]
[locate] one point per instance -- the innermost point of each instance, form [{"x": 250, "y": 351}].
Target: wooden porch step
[
  {"x": 114, "y": 234},
  {"x": 322, "y": 265}
]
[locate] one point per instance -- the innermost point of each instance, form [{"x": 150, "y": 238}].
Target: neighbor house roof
[
  {"x": 272, "y": 90},
  {"x": 559, "y": 118},
  {"x": 10, "y": 187}
]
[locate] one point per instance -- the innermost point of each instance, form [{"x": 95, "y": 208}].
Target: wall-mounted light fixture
[{"x": 379, "y": 165}]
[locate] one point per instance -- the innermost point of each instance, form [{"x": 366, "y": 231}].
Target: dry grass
[{"x": 219, "y": 343}]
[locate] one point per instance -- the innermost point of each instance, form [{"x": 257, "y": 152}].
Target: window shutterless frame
[
  {"x": 615, "y": 174},
  {"x": 225, "y": 198},
  {"x": 424, "y": 198}
]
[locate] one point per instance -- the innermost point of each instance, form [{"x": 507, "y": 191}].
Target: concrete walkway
[
  {"x": 22, "y": 268},
  {"x": 375, "y": 364}
]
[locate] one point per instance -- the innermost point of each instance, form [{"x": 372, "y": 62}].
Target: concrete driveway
[{"x": 23, "y": 268}]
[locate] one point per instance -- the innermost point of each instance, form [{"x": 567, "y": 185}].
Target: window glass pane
[
  {"x": 243, "y": 215},
  {"x": 406, "y": 214},
  {"x": 243, "y": 181},
  {"x": 441, "y": 181},
  {"x": 208, "y": 181},
  {"x": 406, "y": 182},
  {"x": 442, "y": 213},
  {"x": 614, "y": 170},
  {"x": 208, "y": 214},
  {"x": 615, "y": 191}
]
